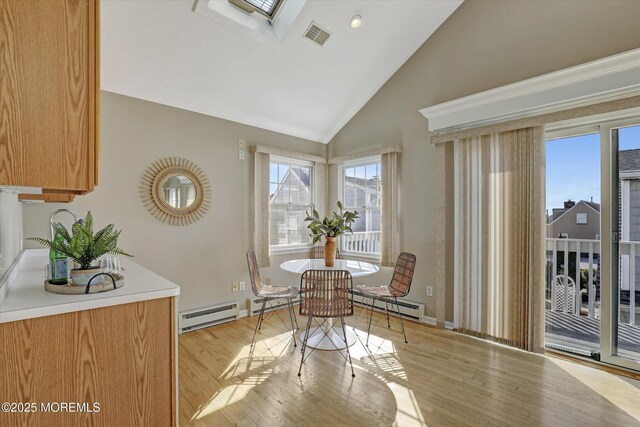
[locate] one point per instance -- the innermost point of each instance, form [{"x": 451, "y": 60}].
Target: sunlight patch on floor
[
  {"x": 613, "y": 388},
  {"x": 408, "y": 411},
  {"x": 250, "y": 367},
  {"x": 223, "y": 398},
  {"x": 377, "y": 345},
  {"x": 381, "y": 360},
  {"x": 252, "y": 357}
]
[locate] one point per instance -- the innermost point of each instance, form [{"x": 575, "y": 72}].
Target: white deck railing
[
  {"x": 589, "y": 250},
  {"x": 362, "y": 241}
]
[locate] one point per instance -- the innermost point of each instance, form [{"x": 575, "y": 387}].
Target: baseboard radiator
[
  {"x": 408, "y": 309},
  {"x": 207, "y": 316},
  {"x": 255, "y": 304}
]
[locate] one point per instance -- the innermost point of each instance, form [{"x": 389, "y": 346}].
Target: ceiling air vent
[{"x": 316, "y": 34}]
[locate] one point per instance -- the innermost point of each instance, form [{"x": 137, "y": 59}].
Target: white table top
[
  {"x": 356, "y": 268},
  {"x": 27, "y": 298}
]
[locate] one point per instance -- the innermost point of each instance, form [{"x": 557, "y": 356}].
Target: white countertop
[
  {"x": 356, "y": 268},
  {"x": 27, "y": 299}
]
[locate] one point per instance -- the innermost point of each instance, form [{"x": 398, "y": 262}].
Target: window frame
[
  {"x": 296, "y": 247},
  {"x": 582, "y": 218},
  {"x": 249, "y": 8},
  {"x": 363, "y": 161}
]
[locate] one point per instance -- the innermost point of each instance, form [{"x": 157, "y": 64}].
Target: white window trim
[
  {"x": 290, "y": 249},
  {"x": 293, "y": 248},
  {"x": 375, "y": 257},
  {"x": 255, "y": 25}
]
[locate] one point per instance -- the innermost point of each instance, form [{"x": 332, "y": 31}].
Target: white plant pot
[{"x": 82, "y": 277}]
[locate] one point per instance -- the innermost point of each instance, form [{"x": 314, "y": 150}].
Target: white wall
[
  {"x": 203, "y": 258},
  {"x": 10, "y": 229},
  {"x": 483, "y": 45}
]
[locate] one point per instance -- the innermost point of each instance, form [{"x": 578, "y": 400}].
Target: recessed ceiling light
[{"x": 356, "y": 21}]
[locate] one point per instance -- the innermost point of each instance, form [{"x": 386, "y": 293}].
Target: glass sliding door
[
  {"x": 593, "y": 238},
  {"x": 572, "y": 315},
  {"x": 621, "y": 306}
]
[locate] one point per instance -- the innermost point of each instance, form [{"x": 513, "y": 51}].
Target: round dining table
[{"x": 328, "y": 337}]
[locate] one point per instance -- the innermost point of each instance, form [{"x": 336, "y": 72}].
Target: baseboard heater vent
[
  {"x": 255, "y": 304},
  {"x": 409, "y": 309},
  {"x": 207, "y": 316}
]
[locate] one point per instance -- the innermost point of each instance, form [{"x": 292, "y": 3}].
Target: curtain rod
[{"x": 540, "y": 120}]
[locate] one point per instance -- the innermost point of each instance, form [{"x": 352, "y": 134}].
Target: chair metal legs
[
  {"x": 364, "y": 310},
  {"x": 306, "y": 338},
  {"x": 293, "y": 313},
  {"x": 400, "y": 317},
  {"x": 344, "y": 332},
  {"x": 373, "y": 301},
  {"x": 292, "y": 318},
  {"x": 304, "y": 344},
  {"x": 386, "y": 310},
  {"x": 386, "y": 306},
  {"x": 258, "y": 322}
]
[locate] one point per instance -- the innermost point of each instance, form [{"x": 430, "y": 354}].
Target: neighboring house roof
[
  {"x": 302, "y": 175},
  {"x": 299, "y": 174},
  {"x": 363, "y": 182},
  {"x": 592, "y": 205},
  {"x": 629, "y": 160}
]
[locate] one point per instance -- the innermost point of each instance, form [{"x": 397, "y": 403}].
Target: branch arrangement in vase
[
  {"x": 83, "y": 246},
  {"x": 330, "y": 227}
]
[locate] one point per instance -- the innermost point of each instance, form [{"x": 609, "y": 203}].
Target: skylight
[{"x": 264, "y": 7}]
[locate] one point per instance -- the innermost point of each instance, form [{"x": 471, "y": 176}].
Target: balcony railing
[
  {"x": 572, "y": 279},
  {"x": 362, "y": 241}
]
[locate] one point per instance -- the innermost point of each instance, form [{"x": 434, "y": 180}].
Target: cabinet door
[
  {"x": 48, "y": 93},
  {"x": 122, "y": 357}
]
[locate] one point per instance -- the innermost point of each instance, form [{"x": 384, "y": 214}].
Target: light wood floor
[{"x": 440, "y": 378}]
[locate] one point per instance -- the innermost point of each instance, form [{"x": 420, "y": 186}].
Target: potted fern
[
  {"x": 83, "y": 246},
  {"x": 332, "y": 227}
]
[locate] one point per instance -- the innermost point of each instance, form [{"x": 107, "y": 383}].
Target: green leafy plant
[
  {"x": 82, "y": 245},
  {"x": 337, "y": 225}
]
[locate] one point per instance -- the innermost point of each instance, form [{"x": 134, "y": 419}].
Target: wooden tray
[{"x": 68, "y": 289}]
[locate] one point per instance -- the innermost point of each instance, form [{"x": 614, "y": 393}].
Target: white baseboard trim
[
  {"x": 434, "y": 322},
  {"x": 243, "y": 313}
]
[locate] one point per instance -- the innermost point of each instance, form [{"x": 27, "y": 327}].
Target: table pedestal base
[{"x": 320, "y": 341}]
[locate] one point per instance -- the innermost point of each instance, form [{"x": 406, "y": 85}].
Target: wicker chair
[
  {"x": 269, "y": 293},
  {"x": 317, "y": 252},
  {"x": 399, "y": 287},
  {"x": 326, "y": 294}
]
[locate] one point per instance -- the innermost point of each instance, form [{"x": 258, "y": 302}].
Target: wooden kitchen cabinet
[
  {"x": 49, "y": 88},
  {"x": 121, "y": 357}
]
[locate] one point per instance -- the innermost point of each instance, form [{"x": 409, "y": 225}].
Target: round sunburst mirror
[{"x": 175, "y": 191}]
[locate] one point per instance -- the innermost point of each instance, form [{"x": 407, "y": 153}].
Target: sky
[{"x": 573, "y": 166}]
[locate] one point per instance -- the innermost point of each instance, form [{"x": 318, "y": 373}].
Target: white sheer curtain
[
  {"x": 499, "y": 237},
  {"x": 390, "y": 230},
  {"x": 261, "y": 208}
]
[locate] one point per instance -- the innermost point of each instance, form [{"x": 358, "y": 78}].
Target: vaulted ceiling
[{"x": 162, "y": 51}]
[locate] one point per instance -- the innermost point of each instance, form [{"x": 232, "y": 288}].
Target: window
[
  {"x": 581, "y": 218},
  {"x": 361, "y": 191},
  {"x": 291, "y": 195},
  {"x": 267, "y": 8}
]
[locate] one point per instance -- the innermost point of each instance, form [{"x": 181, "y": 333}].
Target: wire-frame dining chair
[
  {"x": 317, "y": 252},
  {"x": 326, "y": 294},
  {"x": 269, "y": 293},
  {"x": 399, "y": 287}
]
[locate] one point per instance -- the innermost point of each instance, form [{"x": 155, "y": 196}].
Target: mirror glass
[{"x": 179, "y": 191}]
